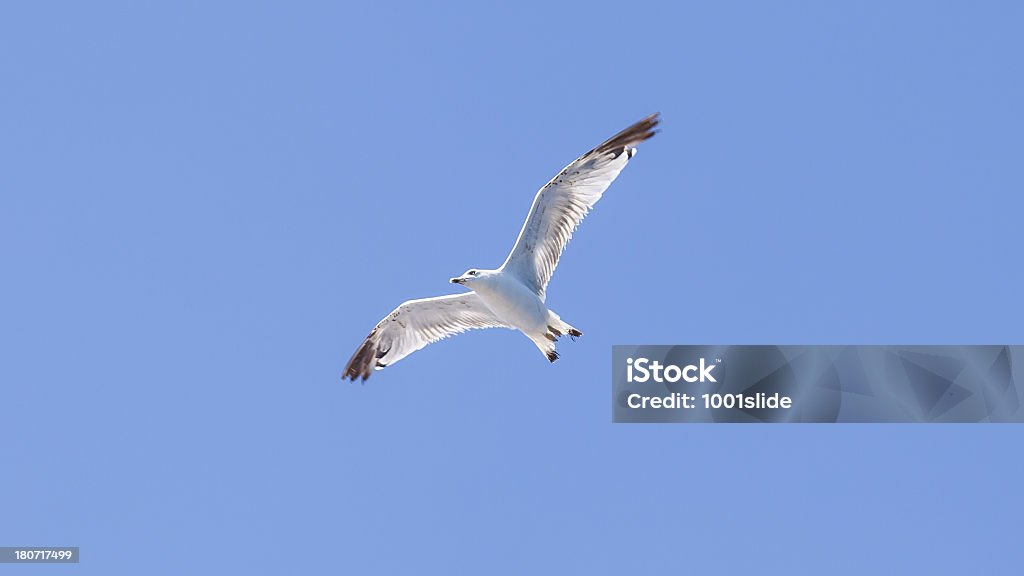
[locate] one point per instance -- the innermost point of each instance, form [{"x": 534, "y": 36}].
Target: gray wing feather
[
  {"x": 562, "y": 203},
  {"x": 413, "y": 325}
]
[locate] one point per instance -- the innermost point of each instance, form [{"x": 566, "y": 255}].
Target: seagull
[{"x": 513, "y": 295}]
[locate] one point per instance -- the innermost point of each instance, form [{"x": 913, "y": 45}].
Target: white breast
[{"x": 513, "y": 302}]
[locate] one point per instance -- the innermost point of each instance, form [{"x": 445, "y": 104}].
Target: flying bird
[{"x": 513, "y": 295}]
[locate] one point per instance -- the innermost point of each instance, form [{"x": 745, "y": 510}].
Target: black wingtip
[
  {"x": 552, "y": 356},
  {"x": 631, "y": 136},
  {"x": 362, "y": 362}
]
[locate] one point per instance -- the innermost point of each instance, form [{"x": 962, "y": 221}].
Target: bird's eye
[{"x": 472, "y": 272}]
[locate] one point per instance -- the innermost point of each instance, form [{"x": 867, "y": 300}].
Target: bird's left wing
[
  {"x": 562, "y": 203},
  {"x": 413, "y": 325}
]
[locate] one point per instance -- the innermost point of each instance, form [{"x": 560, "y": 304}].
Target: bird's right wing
[{"x": 413, "y": 325}]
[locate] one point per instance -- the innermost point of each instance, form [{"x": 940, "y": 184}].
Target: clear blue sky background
[{"x": 204, "y": 208}]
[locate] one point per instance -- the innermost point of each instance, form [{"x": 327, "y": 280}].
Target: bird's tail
[{"x": 558, "y": 327}]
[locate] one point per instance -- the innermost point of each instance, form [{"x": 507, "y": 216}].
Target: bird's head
[{"x": 470, "y": 276}]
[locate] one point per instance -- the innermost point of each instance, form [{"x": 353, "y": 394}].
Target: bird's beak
[{"x": 457, "y": 280}]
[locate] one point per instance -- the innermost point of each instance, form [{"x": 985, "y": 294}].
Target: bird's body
[
  {"x": 519, "y": 307},
  {"x": 513, "y": 296},
  {"x": 510, "y": 300}
]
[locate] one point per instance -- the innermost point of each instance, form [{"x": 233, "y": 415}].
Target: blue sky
[{"x": 204, "y": 208}]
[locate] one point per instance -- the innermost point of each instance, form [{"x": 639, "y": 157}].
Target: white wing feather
[
  {"x": 562, "y": 203},
  {"x": 416, "y": 323}
]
